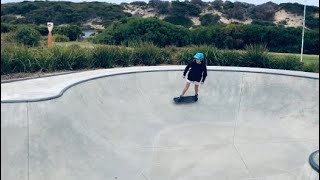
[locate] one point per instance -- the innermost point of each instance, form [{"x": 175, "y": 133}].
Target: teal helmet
[{"x": 199, "y": 56}]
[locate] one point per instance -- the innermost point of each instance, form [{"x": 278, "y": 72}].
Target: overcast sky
[{"x": 309, "y": 2}]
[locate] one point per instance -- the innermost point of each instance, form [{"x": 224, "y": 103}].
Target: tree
[
  {"x": 178, "y": 20},
  {"x": 217, "y": 4},
  {"x": 153, "y": 30},
  {"x": 197, "y": 2},
  {"x": 264, "y": 12},
  {"x": 228, "y": 5},
  {"x": 73, "y": 32},
  {"x": 138, "y": 3},
  {"x": 154, "y": 3},
  {"x": 184, "y": 9},
  {"x": 28, "y": 36},
  {"x": 209, "y": 19},
  {"x": 163, "y": 7},
  {"x": 312, "y": 22}
]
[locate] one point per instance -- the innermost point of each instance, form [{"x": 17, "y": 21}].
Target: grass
[
  {"x": 83, "y": 44},
  {"x": 306, "y": 58}
]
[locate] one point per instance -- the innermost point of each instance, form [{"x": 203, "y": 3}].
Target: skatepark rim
[{"x": 145, "y": 69}]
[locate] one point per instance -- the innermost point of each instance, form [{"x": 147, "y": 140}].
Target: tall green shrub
[
  {"x": 286, "y": 62},
  {"x": 70, "y": 58},
  {"x": 16, "y": 59},
  {"x": 257, "y": 56},
  {"x": 110, "y": 56},
  {"x": 149, "y": 54}
]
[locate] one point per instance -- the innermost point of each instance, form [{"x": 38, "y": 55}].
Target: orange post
[{"x": 49, "y": 40}]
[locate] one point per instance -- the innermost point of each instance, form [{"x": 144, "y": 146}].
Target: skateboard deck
[{"x": 185, "y": 99}]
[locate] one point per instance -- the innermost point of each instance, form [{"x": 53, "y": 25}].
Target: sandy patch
[
  {"x": 292, "y": 20},
  {"x": 195, "y": 21}
]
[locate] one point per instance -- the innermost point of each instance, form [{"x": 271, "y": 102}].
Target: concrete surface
[{"x": 249, "y": 124}]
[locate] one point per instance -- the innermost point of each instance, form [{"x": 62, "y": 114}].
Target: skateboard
[{"x": 185, "y": 99}]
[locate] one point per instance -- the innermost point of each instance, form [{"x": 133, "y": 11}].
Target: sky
[{"x": 308, "y": 2}]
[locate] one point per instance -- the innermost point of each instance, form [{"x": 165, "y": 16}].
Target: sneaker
[
  {"x": 196, "y": 97},
  {"x": 180, "y": 98}
]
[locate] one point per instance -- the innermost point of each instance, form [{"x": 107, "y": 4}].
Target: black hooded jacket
[{"x": 197, "y": 71}]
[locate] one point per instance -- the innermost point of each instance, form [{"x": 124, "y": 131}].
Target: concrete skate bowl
[{"x": 257, "y": 125}]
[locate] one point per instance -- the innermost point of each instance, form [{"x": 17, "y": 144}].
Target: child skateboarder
[{"x": 197, "y": 74}]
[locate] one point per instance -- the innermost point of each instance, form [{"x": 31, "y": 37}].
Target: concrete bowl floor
[{"x": 244, "y": 126}]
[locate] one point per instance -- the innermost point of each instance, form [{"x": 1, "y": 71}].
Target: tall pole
[{"x": 303, "y": 27}]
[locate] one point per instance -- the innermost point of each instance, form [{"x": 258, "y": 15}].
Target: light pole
[
  {"x": 303, "y": 27},
  {"x": 50, "y": 27}
]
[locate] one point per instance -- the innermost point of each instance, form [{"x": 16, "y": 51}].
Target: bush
[
  {"x": 18, "y": 59},
  {"x": 162, "y": 7},
  {"x": 104, "y": 38},
  {"x": 262, "y": 23},
  {"x": 210, "y": 53},
  {"x": 256, "y": 56},
  {"x": 151, "y": 30},
  {"x": 5, "y": 28},
  {"x": 73, "y": 32},
  {"x": 9, "y": 37},
  {"x": 264, "y": 11},
  {"x": 70, "y": 58},
  {"x": 105, "y": 56},
  {"x": 45, "y": 59},
  {"x": 184, "y": 56},
  {"x": 209, "y": 19},
  {"x": 230, "y": 58},
  {"x": 213, "y": 56},
  {"x": 63, "y": 12},
  {"x": 60, "y": 38},
  {"x": 184, "y": 9},
  {"x": 179, "y": 20},
  {"x": 28, "y": 36},
  {"x": 286, "y": 62},
  {"x": 311, "y": 67},
  {"x": 43, "y": 30},
  {"x": 138, "y": 3},
  {"x": 149, "y": 54}
]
